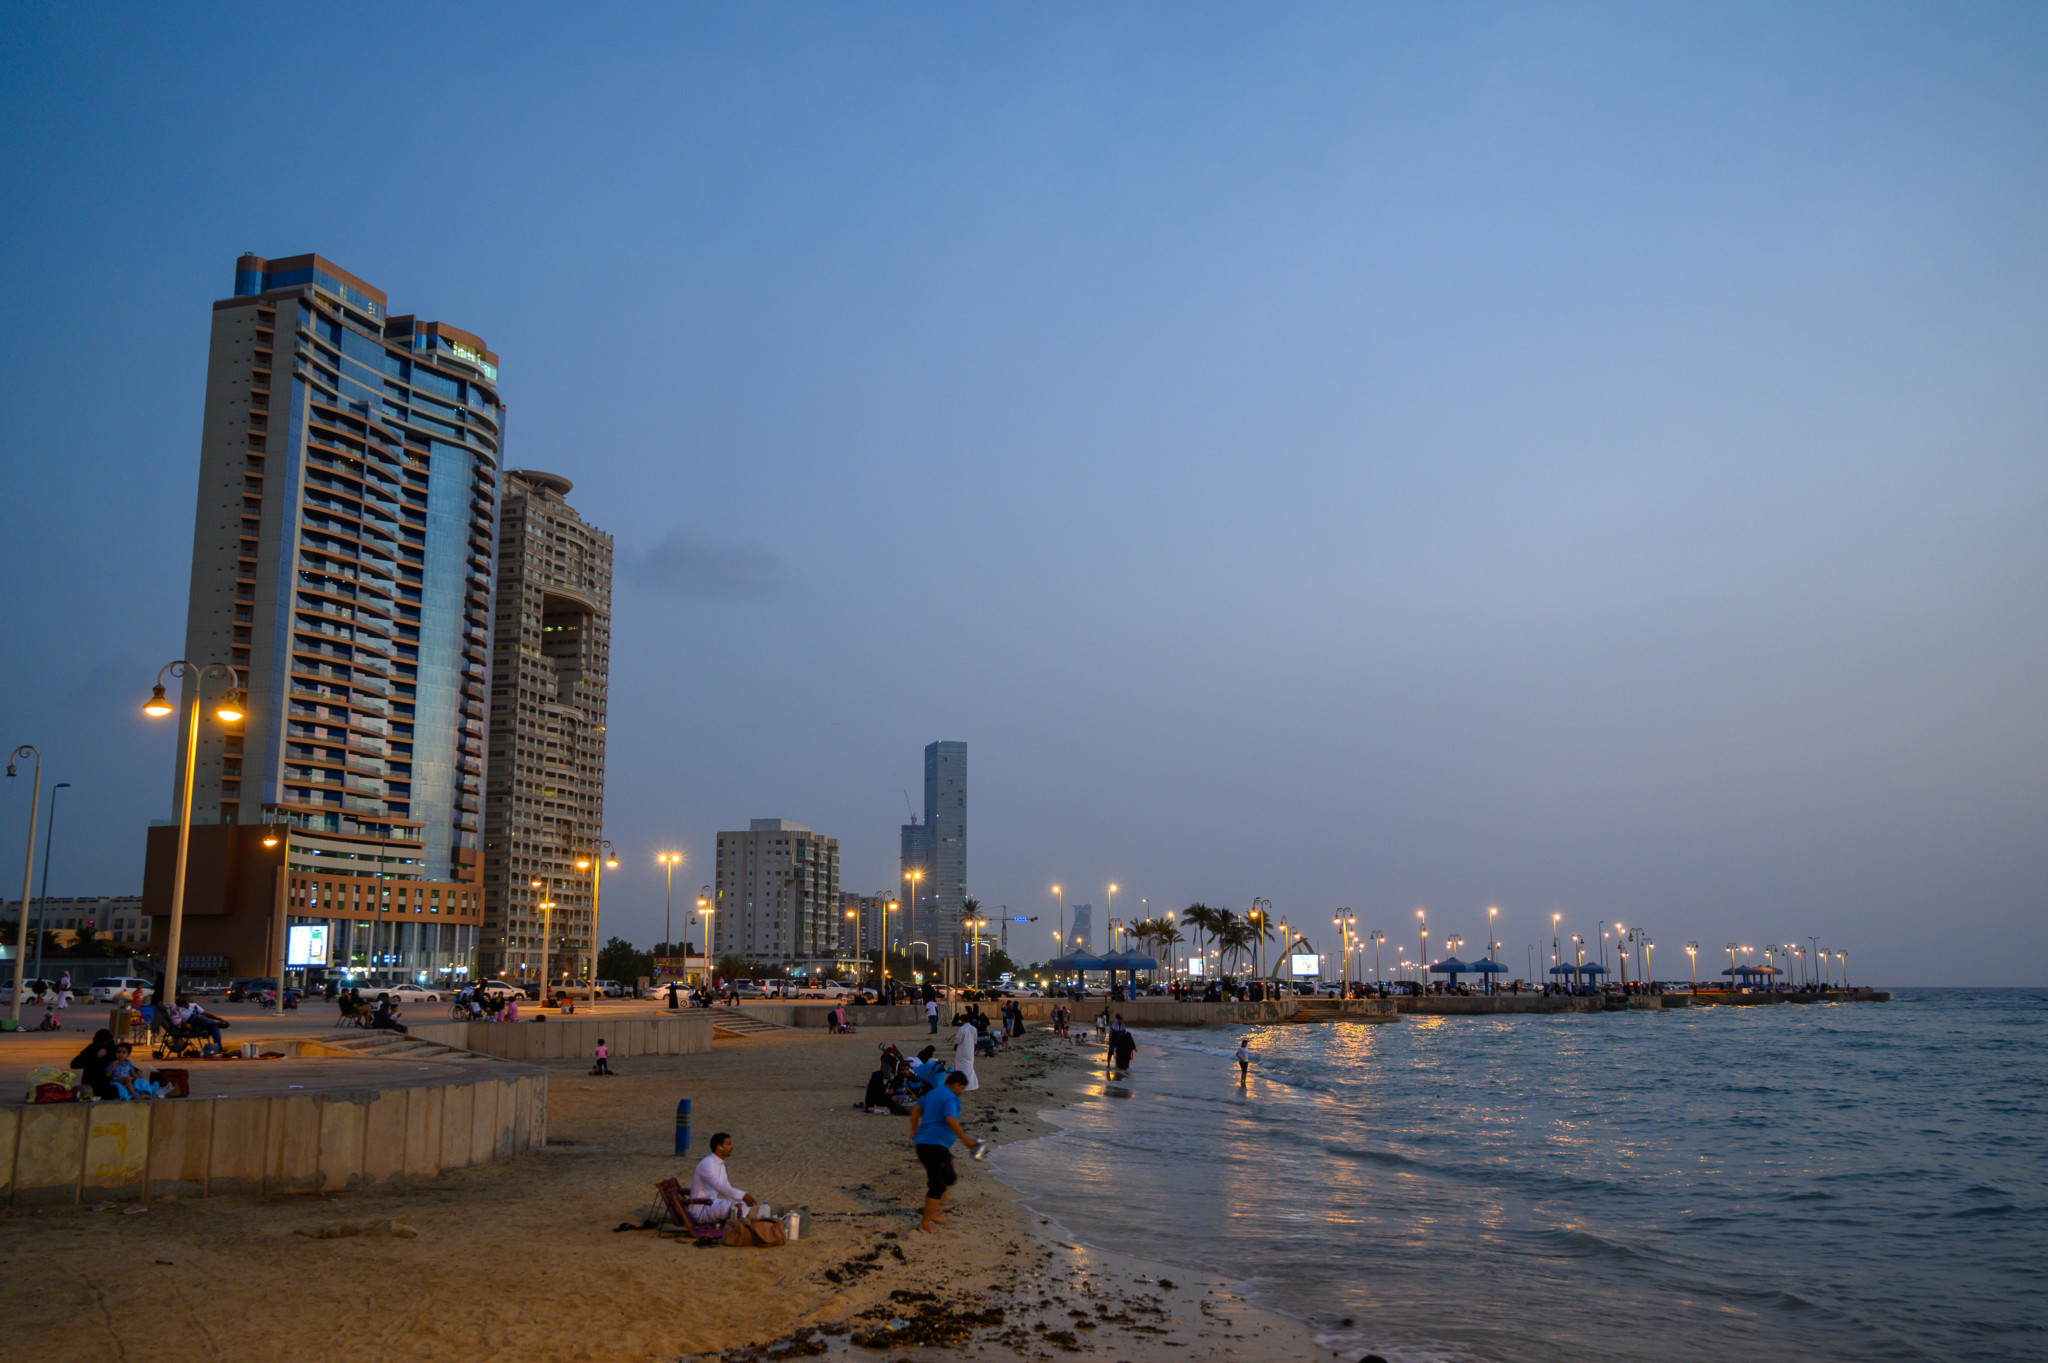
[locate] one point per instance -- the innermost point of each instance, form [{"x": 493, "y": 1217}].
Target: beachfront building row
[{"x": 346, "y": 547}]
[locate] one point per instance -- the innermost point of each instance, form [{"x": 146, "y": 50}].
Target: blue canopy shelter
[{"x": 1450, "y": 965}]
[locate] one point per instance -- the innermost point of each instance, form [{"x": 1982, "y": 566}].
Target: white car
[
  {"x": 498, "y": 989},
  {"x": 105, "y": 987},
  {"x": 28, "y": 989},
  {"x": 405, "y": 993}
]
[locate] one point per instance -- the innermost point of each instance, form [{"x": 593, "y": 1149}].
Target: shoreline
[{"x": 537, "y": 1254}]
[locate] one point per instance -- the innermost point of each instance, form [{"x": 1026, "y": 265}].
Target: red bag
[
  {"x": 178, "y": 1082},
  {"x": 55, "y": 1093}
]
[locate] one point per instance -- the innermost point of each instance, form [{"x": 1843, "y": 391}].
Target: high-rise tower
[
  {"x": 341, "y": 561},
  {"x": 936, "y": 851},
  {"x": 550, "y": 682}
]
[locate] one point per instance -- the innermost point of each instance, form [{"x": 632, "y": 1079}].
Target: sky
[{"x": 1574, "y": 459}]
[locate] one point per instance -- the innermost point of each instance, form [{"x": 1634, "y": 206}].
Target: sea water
[{"x": 1853, "y": 1180}]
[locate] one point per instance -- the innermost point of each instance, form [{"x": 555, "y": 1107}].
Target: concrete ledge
[
  {"x": 58, "y": 1153},
  {"x": 573, "y": 1038}
]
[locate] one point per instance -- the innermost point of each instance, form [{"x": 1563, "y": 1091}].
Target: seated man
[
  {"x": 192, "y": 1020},
  {"x": 711, "y": 1181}
]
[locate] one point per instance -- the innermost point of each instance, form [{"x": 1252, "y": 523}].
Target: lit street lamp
[
  {"x": 669, "y": 861},
  {"x": 602, "y": 855},
  {"x": 229, "y": 711}
]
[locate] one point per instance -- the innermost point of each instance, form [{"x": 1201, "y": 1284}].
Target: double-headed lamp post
[
  {"x": 705, "y": 908},
  {"x": 913, "y": 877},
  {"x": 602, "y": 855},
  {"x": 229, "y": 711},
  {"x": 1692, "y": 952},
  {"x": 1377, "y": 938}
]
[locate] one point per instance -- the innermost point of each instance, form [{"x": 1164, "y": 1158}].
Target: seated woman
[{"x": 94, "y": 1061}]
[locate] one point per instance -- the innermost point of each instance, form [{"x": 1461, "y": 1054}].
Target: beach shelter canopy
[
  {"x": 1753, "y": 970},
  {"x": 1128, "y": 960},
  {"x": 1564, "y": 970},
  {"x": 1592, "y": 968},
  {"x": 1484, "y": 966},
  {"x": 1079, "y": 960},
  {"x": 1450, "y": 965}
]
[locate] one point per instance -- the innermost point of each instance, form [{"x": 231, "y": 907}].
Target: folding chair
[{"x": 680, "y": 1219}]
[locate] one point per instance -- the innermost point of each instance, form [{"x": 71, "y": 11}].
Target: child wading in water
[
  {"x": 604, "y": 1064},
  {"x": 1244, "y": 1062}
]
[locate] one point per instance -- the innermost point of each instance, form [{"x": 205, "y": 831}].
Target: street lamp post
[
  {"x": 1422, "y": 943},
  {"x": 705, "y": 909},
  {"x": 43, "y": 900},
  {"x": 601, "y": 856},
  {"x": 913, "y": 877},
  {"x": 1692, "y": 952},
  {"x": 228, "y": 712},
  {"x": 1492, "y": 946},
  {"x": 669, "y": 861},
  {"x": 1377, "y": 938},
  {"x": 546, "y": 907},
  {"x": 28, "y": 870},
  {"x": 281, "y": 832}
]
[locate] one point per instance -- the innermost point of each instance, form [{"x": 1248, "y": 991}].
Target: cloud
[{"x": 685, "y": 563}]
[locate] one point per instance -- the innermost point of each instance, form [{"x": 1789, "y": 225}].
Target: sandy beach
[{"x": 526, "y": 1256}]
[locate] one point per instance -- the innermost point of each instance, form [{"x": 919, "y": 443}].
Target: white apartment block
[{"x": 776, "y": 895}]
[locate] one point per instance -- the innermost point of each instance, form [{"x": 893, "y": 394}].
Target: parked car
[
  {"x": 404, "y": 993},
  {"x": 28, "y": 989},
  {"x": 748, "y": 989},
  {"x": 611, "y": 989},
  {"x": 499, "y": 989},
  {"x": 106, "y": 986}
]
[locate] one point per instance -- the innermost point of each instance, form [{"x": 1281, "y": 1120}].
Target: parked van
[{"x": 106, "y": 986}]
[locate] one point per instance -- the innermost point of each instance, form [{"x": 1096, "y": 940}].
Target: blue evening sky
[{"x": 1582, "y": 459}]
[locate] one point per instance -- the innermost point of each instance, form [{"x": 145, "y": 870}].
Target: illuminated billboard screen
[
  {"x": 1305, "y": 965},
  {"x": 1195, "y": 968},
  {"x": 306, "y": 945}
]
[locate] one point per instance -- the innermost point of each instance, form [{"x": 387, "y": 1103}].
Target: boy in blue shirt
[{"x": 934, "y": 1126}]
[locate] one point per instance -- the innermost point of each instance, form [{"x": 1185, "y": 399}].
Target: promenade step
[
  {"x": 739, "y": 1022},
  {"x": 381, "y": 1046}
]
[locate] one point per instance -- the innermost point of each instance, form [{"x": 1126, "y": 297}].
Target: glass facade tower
[{"x": 342, "y": 561}]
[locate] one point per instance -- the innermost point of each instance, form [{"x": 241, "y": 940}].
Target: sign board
[
  {"x": 1194, "y": 966},
  {"x": 681, "y": 969},
  {"x": 306, "y": 945},
  {"x": 1305, "y": 965}
]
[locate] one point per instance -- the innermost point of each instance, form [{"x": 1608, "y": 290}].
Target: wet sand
[{"x": 524, "y": 1255}]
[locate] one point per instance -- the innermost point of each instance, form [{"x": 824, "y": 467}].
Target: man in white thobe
[
  {"x": 963, "y": 1053},
  {"x": 711, "y": 1181}
]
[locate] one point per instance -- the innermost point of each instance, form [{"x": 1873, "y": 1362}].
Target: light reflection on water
[{"x": 1867, "y": 1180}]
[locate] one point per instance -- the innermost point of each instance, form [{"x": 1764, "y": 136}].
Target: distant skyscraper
[
  {"x": 1081, "y": 936},
  {"x": 938, "y": 849},
  {"x": 550, "y": 685},
  {"x": 777, "y": 890},
  {"x": 341, "y": 561}
]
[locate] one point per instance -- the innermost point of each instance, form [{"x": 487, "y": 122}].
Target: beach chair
[{"x": 681, "y": 1221}]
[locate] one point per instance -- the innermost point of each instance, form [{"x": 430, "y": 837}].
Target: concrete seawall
[
  {"x": 573, "y": 1038},
  {"x": 61, "y": 1153},
  {"x": 1136, "y": 1012}
]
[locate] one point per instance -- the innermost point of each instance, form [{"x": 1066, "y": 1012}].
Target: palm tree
[
  {"x": 1204, "y": 920},
  {"x": 1233, "y": 935}
]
